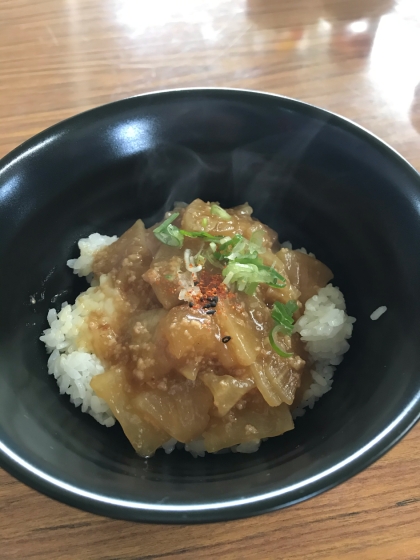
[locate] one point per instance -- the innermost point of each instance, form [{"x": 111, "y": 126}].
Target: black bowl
[{"x": 317, "y": 179}]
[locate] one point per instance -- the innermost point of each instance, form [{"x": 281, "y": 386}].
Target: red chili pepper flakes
[{"x": 212, "y": 290}]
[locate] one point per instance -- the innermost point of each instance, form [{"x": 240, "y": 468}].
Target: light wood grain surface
[{"x": 359, "y": 58}]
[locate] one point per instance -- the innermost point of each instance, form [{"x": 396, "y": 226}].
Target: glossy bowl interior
[{"x": 319, "y": 180}]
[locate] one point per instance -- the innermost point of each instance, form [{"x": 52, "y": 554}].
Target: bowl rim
[{"x": 246, "y": 506}]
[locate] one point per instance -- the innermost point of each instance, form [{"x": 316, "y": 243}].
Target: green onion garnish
[
  {"x": 250, "y": 259},
  {"x": 168, "y": 233},
  {"x": 216, "y": 210},
  {"x": 226, "y": 248},
  {"x": 171, "y": 235},
  {"x": 201, "y": 235},
  {"x": 249, "y": 272},
  {"x": 165, "y": 224},
  {"x": 239, "y": 247},
  {"x": 210, "y": 257},
  {"x": 274, "y": 344},
  {"x": 250, "y": 289},
  {"x": 278, "y": 280},
  {"x": 282, "y": 314},
  {"x": 237, "y": 256}
]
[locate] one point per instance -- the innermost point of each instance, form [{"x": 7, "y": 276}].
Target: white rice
[
  {"x": 378, "y": 312},
  {"x": 73, "y": 367},
  {"x": 82, "y": 266},
  {"x": 324, "y": 326}
]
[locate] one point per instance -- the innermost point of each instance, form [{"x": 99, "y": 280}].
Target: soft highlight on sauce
[{"x": 188, "y": 357}]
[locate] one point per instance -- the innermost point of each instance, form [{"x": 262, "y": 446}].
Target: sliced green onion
[
  {"x": 216, "y": 210},
  {"x": 248, "y": 271},
  {"x": 239, "y": 247},
  {"x": 171, "y": 235},
  {"x": 204, "y": 222},
  {"x": 238, "y": 272},
  {"x": 239, "y": 250},
  {"x": 199, "y": 258},
  {"x": 168, "y": 233},
  {"x": 244, "y": 267},
  {"x": 210, "y": 257},
  {"x": 250, "y": 259},
  {"x": 282, "y": 314},
  {"x": 175, "y": 235},
  {"x": 226, "y": 247},
  {"x": 165, "y": 223},
  {"x": 278, "y": 280},
  {"x": 201, "y": 235},
  {"x": 274, "y": 344},
  {"x": 251, "y": 288},
  {"x": 227, "y": 243}
]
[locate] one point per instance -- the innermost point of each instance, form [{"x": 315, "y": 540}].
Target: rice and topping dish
[{"x": 202, "y": 331}]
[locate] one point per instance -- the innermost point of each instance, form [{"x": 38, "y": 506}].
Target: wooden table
[{"x": 359, "y": 58}]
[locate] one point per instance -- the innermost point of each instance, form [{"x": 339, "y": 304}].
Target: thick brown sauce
[{"x": 204, "y": 368}]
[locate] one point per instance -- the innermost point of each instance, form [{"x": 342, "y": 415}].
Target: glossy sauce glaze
[{"x": 187, "y": 356}]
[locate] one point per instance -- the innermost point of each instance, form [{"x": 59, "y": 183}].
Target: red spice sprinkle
[{"x": 212, "y": 290}]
